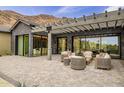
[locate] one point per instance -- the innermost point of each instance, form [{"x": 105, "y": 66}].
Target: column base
[{"x": 49, "y": 54}]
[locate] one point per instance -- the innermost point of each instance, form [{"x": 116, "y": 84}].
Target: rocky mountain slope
[{"x": 8, "y": 18}]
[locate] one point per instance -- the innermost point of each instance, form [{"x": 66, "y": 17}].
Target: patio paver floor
[{"x": 38, "y": 71}]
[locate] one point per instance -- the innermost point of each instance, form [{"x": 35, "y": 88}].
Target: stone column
[
  {"x": 49, "y": 46},
  {"x": 30, "y": 44},
  {"x": 69, "y": 42},
  {"x": 54, "y": 44},
  {"x": 122, "y": 45}
]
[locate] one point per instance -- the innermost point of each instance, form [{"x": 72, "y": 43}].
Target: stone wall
[
  {"x": 54, "y": 44},
  {"x": 122, "y": 45}
]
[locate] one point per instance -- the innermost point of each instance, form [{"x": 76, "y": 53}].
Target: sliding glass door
[
  {"x": 26, "y": 45},
  {"x": 92, "y": 43},
  {"x": 39, "y": 45},
  {"x": 23, "y": 45},
  {"x": 77, "y": 44},
  {"x": 62, "y": 44},
  {"x": 44, "y": 45},
  {"x": 20, "y": 45},
  {"x": 109, "y": 44}
]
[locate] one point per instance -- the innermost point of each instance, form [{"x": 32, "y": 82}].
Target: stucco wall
[{"x": 5, "y": 43}]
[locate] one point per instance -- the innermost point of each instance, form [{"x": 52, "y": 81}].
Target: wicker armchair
[
  {"x": 65, "y": 54},
  {"x": 103, "y": 60},
  {"x": 88, "y": 56},
  {"x": 78, "y": 62}
]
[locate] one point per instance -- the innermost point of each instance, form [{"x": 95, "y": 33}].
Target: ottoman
[{"x": 66, "y": 61}]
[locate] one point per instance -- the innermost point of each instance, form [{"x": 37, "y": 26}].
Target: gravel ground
[{"x": 38, "y": 71}]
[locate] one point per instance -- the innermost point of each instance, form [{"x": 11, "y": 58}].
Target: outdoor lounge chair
[
  {"x": 78, "y": 62},
  {"x": 65, "y": 54},
  {"x": 103, "y": 60}
]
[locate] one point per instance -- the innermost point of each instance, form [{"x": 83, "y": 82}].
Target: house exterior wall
[
  {"x": 5, "y": 43},
  {"x": 20, "y": 29}
]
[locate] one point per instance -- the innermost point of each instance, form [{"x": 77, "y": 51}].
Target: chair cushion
[
  {"x": 107, "y": 55},
  {"x": 88, "y": 54}
]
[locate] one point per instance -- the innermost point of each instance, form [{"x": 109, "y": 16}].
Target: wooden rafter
[
  {"x": 99, "y": 26},
  {"x": 73, "y": 29},
  {"x": 70, "y": 29},
  {"x": 78, "y": 28},
  {"x": 85, "y": 27},
  {"x": 91, "y": 26},
  {"x": 66, "y": 31}
]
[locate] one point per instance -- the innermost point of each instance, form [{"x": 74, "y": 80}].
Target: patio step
[
  {"x": 8, "y": 80},
  {"x": 4, "y": 83}
]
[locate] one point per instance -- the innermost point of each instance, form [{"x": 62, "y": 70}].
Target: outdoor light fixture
[{"x": 49, "y": 28}]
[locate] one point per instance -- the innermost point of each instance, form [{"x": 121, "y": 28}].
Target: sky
[{"x": 60, "y": 11}]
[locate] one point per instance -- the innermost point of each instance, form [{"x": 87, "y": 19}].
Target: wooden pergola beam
[
  {"x": 101, "y": 19},
  {"x": 107, "y": 25}
]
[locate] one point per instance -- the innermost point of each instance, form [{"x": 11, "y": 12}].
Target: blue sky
[{"x": 59, "y": 11}]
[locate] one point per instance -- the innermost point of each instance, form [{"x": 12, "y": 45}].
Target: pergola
[{"x": 90, "y": 23}]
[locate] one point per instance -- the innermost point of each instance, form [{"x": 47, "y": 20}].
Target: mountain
[{"x": 8, "y": 18}]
